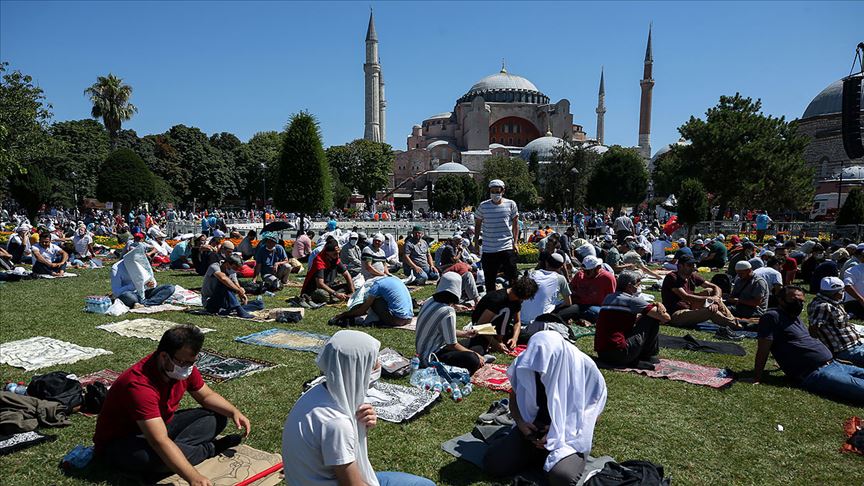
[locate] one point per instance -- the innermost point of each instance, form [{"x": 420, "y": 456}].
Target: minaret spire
[
  {"x": 601, "y": 108},
  {"x": 647, "y": 84},
  {"x": 373, "y": 87}
]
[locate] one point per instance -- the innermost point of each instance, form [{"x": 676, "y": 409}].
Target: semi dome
[
  {"x": 504, "y": 87},
  {"x": 437, "y": 143},
  {"x": 829, "y": 101},
  {"x": 451, "y": 168},
  {"x": 850, "y": 173},
  {"x": 544, "y": 147}
]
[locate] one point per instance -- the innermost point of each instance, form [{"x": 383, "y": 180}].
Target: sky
[{"x": 246, "y": 67}]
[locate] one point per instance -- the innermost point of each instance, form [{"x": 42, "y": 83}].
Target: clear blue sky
[{"x": 246, "y": 67}]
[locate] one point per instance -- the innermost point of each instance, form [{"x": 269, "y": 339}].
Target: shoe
[
  {"x": 644, "y": 365},
  {"x": 498, "y": 408},
  {"x": 244, "y": 314},
  {"x": 727, "y": 334},
  {"x": 489, "y": 358},
  {"x": 653, "y": 360}
]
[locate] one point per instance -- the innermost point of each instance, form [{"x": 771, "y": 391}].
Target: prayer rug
[
  {"x": 687, "y": 372},
  {"x": 16, "y": 442},
  {"x": 184, "y": 297},
  {"x": 493, "y": 377},
  {"x": 144, "y": 328},
  {"x": 285, "y": 339},
  {"x": 397, "y": 403},
  {"x": 411, "y": 326},
  {"x": 41, "y": 352},
  {"x": 235, "y": 465},
  {"x": 66, "y": 274},
  {"x": 519, "y": 349},
  {"x": 690, "y": 343},
  {"x": 219, "y": 367},
  {"x": 157, "y": 308},
  {"x": 854, "y": 431},
  {"x": 577, "y": 332},
  {"x": 105, "y": 376},
  {"x": 711, "y": 327}
]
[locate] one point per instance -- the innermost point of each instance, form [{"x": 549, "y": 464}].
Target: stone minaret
[
  {"x": 373, "y": 85},
  {"x": 382, "y": 102},
  {"x": 601, "y": 108},
  {"x": 647, "y": 84}
]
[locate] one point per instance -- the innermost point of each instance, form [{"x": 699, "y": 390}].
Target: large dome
[
  {"x": 666, "y": 148},
  {"x": 544, "y": 147},
  {"x": 850, "y": 173},
  {"x": 507, "y": 88},
  {"x": 829, "y": 101}
]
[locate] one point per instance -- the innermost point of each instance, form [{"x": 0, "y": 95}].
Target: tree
[
  {"x": 125, "y": 179},
  {"x": 453, "y": 191},
  {"x": 31, "y": 188},
  {"x": 196, "y": 170},
  {"x": 264, "y": 150},
  {"x": 362, "y": 165},
  {"x": 24, "y": 116},
  {"x": 563, "y": 181},
  {"x": 620, "y": 178},
  {"x": 852, "y": 211},
  {"x": 692, "y": 204},
  {"x": 83, "y": 146},
  {"x": 514, "y": 173},
  {"x": 743, "y": 157},
  {"x": 110, "y": 98},
  {"x": 304, "y": 182},
  {"x": 246, "y": 171}
]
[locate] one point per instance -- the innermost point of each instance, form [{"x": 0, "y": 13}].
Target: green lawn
[{"x": 700, "y": 435}]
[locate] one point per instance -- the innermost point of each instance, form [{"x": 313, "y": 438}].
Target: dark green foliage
[
  {"x": 83, "y": 146},
  {"x": 852, "y": 211},
  {"x": 743, "y": 157},
  {"x": 362, "y": 165},
  {"x": 264, "y": 150},
  {"x": 692, "y": 204},
  {"x": 304, "y": 184},
  {"x": 454, "y": 192},
  {"x": 24, "y": 116},
  {"x": 31, "y": 188},
  {"x": 110, "y": 99},
  {"x": 563, "y": 181},
  {"x": 620, "y": 178},
  {"x": 514, "y": 173},
  {"x": 126, "y": 179}
]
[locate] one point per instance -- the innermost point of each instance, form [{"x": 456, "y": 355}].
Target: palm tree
[{"x": 110, "y": 98}]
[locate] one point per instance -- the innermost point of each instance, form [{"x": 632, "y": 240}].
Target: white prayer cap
[
  {"x": 378, "y": 236},
  {"x": 743, "y": 265},
  {"x": 496, "y": 183},
  {"x": 591, "y": 262},
  {"x": 682, "y": 241},
  {"x": 831, "y": 284}
]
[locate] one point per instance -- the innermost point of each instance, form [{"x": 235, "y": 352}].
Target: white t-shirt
[
  {"x": 549, "y": 286},
  {"x": 497, "y": 224},
  {"x": 770, "y": 275},
  {"x": 315, "y": 437},
  {"x": 854, "y": 277},
  {"x": 49, "y": 253},
  {"x": 82, "y": 244}
]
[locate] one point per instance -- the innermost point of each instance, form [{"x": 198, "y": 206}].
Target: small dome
[
  {"x": 452, "y": 168},
  {"x": 495, "y": 146},
  {"x": 597, "y": 149},
  {"x": 417, "y": 126},
  {"x": 850, "y": 173},
  {"x": 439, "y": 116},
  {"x": 666, "y": 148},
  {"x": 544, "y": 147},
  {"x": 829, "y": 101}
]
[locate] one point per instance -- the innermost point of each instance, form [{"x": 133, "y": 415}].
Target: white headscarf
[
  {"x": 390, "y": 246},
  {"x": 347, "y": 361},
  {"x": 575, "y": 392}
]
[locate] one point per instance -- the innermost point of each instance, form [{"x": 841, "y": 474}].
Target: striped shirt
[
  {"x": 497, "y": 224},
  {"x": 376, "y": 258},
  {"x": 436, "y": 328},
  {"x": 829, "y": 322}
]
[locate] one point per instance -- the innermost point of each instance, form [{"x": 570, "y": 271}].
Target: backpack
[
  {"x": 55, "y": 386},
  {"x": 629, "y": 473},
  {"x": 723, "y": 281},
  {"x": 94, "y": 397}
]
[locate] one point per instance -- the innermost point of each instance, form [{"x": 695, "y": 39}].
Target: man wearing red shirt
[
  {"x": 140, "y": 429},
  {"x": 321, "y": 284},
  {"x": 590, "y": 286},
  {"x": 790, "y": 265}
]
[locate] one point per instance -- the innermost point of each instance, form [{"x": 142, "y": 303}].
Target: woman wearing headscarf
[
  {"x": 558, "y": 394},
  {"x": 324, "y": 436}
]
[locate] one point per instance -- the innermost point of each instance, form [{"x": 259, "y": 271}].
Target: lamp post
[{"x": 75, "y": 193}]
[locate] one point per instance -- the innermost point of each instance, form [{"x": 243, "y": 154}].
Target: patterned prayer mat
[
  {"x": 105, "y": 376},
  {"x": 236, "y": 465},
  {"x": 219, "y": 367},
  {"x": 41, "y": 352},
  {"x": 493, "y": 377},
  {"x": 285, "y": 339},
  {"x": 16, "y": 442},
  {"x": 687, "y": 372},
  {"x": 577, "y": 332},
  {"x": 157, "y": 308},
  {"x": 397, "y": 403},
  {"x": 144, "y": 328}
]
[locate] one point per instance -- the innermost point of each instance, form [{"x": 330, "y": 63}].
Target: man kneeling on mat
[
  {"x": 222, "y": 294},
  {"x": 628, "y": 325},
  {"x": 140, "y": 429}
]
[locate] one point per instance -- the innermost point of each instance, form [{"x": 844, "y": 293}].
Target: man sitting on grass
[
  {"x": 374, "y": 260},
  {"x": 749, "y": 296},
  {"x": 140, "y": 429},
  {"x": 321, "y": 283},
  {"x": 803, "y": 358},
  {"x": 628, "y": 326},
  {"x": 686, "y": 305},
  {"x": 502, "y": 308},
  {"x": 222, "y": 294},
  {"x": 829, "y": 322},
  {"x": 48, "y": 258},
  {"x": 418, "y": 260},
  {"x": 271, "y": 259},
  {"x": 123, "y": 288}
]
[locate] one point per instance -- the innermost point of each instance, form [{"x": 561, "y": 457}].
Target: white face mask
[
  {"x": 375, "y": 376},
  {"x": 179, "y": 372},
  {"x": 496, "y": 197}
]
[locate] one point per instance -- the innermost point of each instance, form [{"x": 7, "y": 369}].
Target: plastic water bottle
[
  {"x": 449, "y": 387},
  {"x": 467, "y": 389},
  {"x": 269, "y": 294},
  {"x": 18, "y": 388},
  {"x": 437, "y": 387},
  {"x": 415, "y": 364},
  {"x": 77, "y": 458},
  {"x": 457, "y": 395}
]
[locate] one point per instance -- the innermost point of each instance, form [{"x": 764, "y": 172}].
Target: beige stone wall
[{"x": 825, "y": 152}]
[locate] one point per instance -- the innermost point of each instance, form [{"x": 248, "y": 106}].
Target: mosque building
[{"x": 502, "y": 114}]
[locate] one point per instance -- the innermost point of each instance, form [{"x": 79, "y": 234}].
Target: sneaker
[
  {"x": 489, "y": 358},
  {"x": 498, "y": 408},
  {"x": 727, "y": 334}
]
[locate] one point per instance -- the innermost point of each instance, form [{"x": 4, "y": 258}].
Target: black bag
[
  {"x": 629, "y": 473},
  {"x": 723, "y": 281},
  {"x": 94, "y": 397},
  {"x": 56, "y": 387}
]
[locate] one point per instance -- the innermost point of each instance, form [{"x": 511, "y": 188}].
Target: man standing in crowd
[
  {"x": 623, "y": 227},
  {"x": 497, "y": 222}
]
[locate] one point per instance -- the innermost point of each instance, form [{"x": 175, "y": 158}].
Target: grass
[{"x": 700, "y": 435}]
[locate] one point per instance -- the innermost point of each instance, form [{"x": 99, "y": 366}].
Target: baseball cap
[
  {"x": 139, "y": 235},
  {"x": 590, "y": 262},
  {"x": 743, "y": 265},
  {"x": 720, "y": 237},
  {"x": 378, "y": 237},
  {"x": 860, "y": 247},
  {"x": 417, "y": 227},
  {"x": 830, "y": 284},
  {"x": 698, "y": 242},
  {"x": 735, "y": 239},
  {"x": 682, "y": 241},
  {"x": 496, "y": 183},
  {"x": 353, "y": 236}
]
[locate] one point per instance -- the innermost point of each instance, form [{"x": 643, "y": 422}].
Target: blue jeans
[
  {"x": 422, "y": 276},
  {"x": 589, "y": 312},
  {"x": 837, "y": 380},
  {"x": 179, "y": 265},
  {"x": 225, "y": 301},
  {"x": 41, "y": 268},
  {"x": 155, "y": 296},
  {"x": 401, "y": 479},
  {"x": 855, "y": 355}
]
